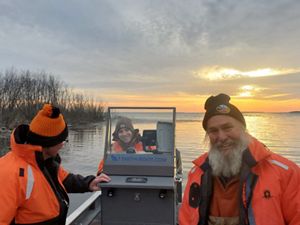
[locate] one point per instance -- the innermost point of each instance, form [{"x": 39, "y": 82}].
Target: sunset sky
[{"x": 160, "y": 52}]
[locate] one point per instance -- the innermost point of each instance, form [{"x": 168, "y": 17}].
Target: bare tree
[{"x": 23, "y": 93}]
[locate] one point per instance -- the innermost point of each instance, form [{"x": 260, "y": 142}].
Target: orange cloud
[
  {"x": 267, "y": 105},
  {"x": 195, "y": 103}
]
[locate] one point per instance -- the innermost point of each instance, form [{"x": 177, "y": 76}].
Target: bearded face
[
  {"x": 228, "y": 139},
  {"x": 227, "y": 164}
]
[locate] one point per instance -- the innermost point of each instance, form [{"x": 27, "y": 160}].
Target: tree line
[{"x": 23, "y": 93}]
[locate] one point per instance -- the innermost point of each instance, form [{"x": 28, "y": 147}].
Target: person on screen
[
  {"x": 34, "y": 185},
  {"x": 239, "y": 181},
  {"x": 126, "y": 139}
]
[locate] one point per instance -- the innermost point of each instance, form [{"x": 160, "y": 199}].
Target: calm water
[{"x": 279, "y": 131}]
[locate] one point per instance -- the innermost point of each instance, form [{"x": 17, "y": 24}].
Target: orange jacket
[
  {"x": 29, "y": 191},
  {"x": 118, "y": 148},
  {"x": 270, "y": 192}
]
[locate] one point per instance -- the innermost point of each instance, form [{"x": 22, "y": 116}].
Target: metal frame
[
  {"x": 87, "y": 211},
  {"x": 91, "y": 208},
  {"x": 108, "y": 125}
]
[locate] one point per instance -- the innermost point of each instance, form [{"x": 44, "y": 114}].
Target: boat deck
[{"x": 89, "y": 212}]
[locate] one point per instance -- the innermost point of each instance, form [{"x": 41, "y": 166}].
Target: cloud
[
  {"x": 221, "y": 73},
  {"x": 149, "y": 46}
]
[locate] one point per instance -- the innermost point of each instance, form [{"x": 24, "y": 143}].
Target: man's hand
[{"x": 100, "y": 178}]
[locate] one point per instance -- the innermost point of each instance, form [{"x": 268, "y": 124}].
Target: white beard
[{"x": 230, "y": 164}]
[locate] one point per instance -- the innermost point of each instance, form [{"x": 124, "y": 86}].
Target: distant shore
[{"x": 294, "y": 112}]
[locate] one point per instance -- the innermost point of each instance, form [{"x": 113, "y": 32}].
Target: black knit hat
[
  {"x": 48, "y": 128},
  {"x": 219, "y": 105}
]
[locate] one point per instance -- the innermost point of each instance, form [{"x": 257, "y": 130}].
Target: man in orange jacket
[
  {"x": 239, "y": 181},
  {"x": 34, "y": 185}
]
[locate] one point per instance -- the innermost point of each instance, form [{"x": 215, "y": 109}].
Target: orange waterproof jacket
[
  {"x": 118, "y": 148},
  {"x": 33, "y": 191},
  {"x": 269, "y": 190}
]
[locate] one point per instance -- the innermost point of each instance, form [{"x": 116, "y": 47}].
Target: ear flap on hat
[{"x": 115, "y": 136}]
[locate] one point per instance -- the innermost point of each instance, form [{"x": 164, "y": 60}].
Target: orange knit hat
[{"x": 48, "y": 127}]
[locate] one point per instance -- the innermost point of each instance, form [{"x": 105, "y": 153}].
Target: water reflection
[{"x": 84, "y": 149}]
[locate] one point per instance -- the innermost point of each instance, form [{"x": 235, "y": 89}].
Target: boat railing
[{"x": 87, "y": 212}]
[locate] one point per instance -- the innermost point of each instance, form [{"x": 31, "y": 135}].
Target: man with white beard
[{"x": 239, "y": 181}]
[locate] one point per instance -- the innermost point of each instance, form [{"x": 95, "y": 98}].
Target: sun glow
[
  {"x": 221, "y": 73},
  {"x": 249, "y": 91},
  {"x": 246, "y": 99},
  {"x": 246, "y": 94},
  {"x": 247, "y": 88}
]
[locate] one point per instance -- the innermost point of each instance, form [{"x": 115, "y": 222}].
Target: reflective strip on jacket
[{"x": 269, "y": 190}]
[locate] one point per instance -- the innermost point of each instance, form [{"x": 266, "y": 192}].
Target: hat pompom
[
  {"x": 214, "y": 101},
  {"x": 55, "y": 112},
  {"x": 50, "y": 111},
  {"x": 47, "y": 110}
]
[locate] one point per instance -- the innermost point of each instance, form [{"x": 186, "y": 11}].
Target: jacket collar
[
  {"x": 200, "y": 160},
  {"x": 19, "y": 146},
  {"x": 258, "y": 150}
]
